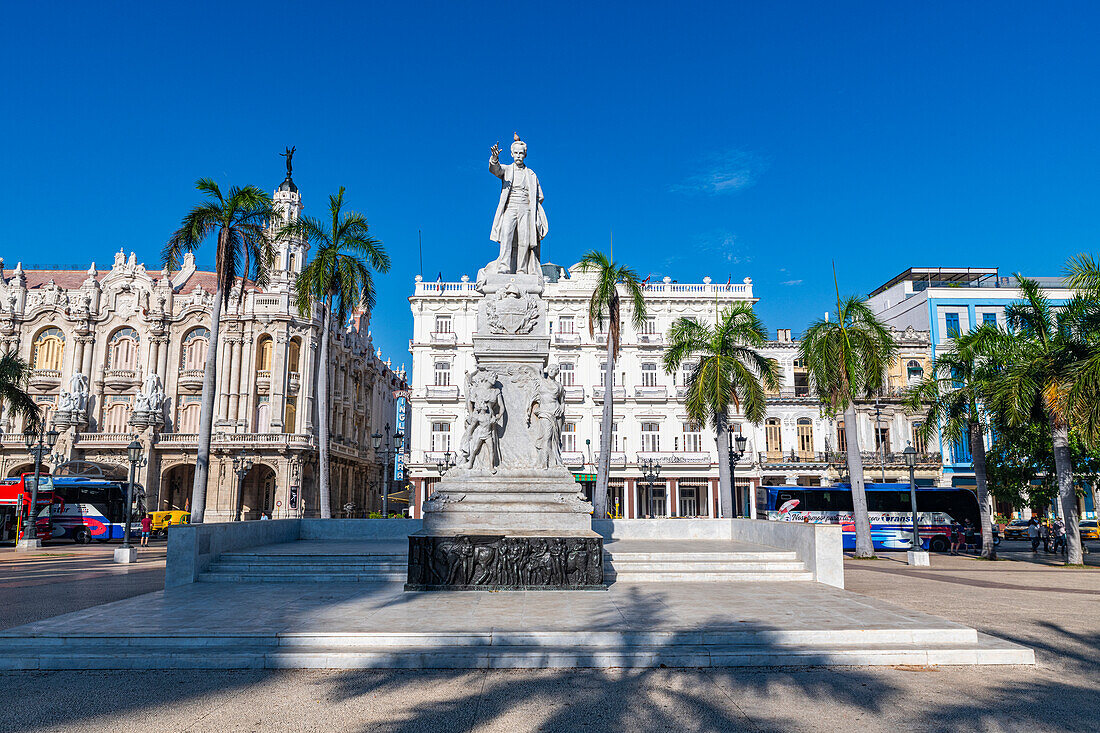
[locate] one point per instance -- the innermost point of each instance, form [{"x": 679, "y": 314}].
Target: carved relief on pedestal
[{"x": 511, "y": 312}]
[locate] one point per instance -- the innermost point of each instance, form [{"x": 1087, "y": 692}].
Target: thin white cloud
[
  {"x": 724, "y": 172},
  {"x": 791, "y": 282}
]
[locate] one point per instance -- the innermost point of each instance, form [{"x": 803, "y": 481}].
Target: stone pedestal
[
  {"x": 919, "y": 558},
  {"x": 126, "y": 555},
  {"x": 28, "y": 545},
  {"x": 506, "y": 518}
]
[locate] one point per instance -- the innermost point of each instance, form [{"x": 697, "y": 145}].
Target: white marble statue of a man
[{"x": 520, "y": 222}]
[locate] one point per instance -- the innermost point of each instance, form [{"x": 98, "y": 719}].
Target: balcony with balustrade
[
  {"x": 569, "y": 338},
  {"x": 653, "y": 393},
  {"x": 792, "y": 457},
  {"x": 121, "y": 379},
  {"x": 573, "y": 459},
  {"x": 45, "y": 379},
  {"x": 263, "y": 381},
  {"x": 617, "y": 393},
  {"x": 190, "y": 378},
  {"x": 574, "y": 394},
  {"x": 443, "y": 338},
  {"x": 651, "y": 339},
  {"x": 617, "y": 459},
  {"x": 679, "y": 458},
  {"x": 441, "y": 392}
]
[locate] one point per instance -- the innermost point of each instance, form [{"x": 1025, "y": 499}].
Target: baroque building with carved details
[
  {"x": 120, "y": 352},
  {"x": 798, "y": 443}
]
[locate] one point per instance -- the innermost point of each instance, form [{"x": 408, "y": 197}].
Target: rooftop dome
[{"x": 288, "y": 185}]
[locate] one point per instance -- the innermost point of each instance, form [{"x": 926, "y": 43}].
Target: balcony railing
[
  {"x": 617, "y": 393},
  {"x": 658, "y": 393},
  {"x": 574, "y": 394},
  {"x": 617, "y": 459},
  {"x": 437, "y": 288},
  {"x": 442, "y": 392},
  {"x": 567, "y": 339},
  {"x": 702, "y": 458},
  {"x": 774, "y": 458},
  {"x": 650, "y": 339},
  {"x": 876, "y": 458},
  {"x": 444, "y": 338},
  {"x": 191, "y": 378},
  {"x": 104, "y": 439},
  {"x": 572, "y": 458},
  {"x": 45, "y": 378}
]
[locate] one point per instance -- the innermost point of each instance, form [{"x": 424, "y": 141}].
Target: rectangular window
[
  {"x": 919, "y": 444},
  {"x": 565, "y": 324},
  {"x": 649, "y": 374},
  {"x": 952, "y": 325},
  {"x": 614, "y": 437},
  {"x": 568, "y": 373},
  {"x": 841, "y": 438},
  {"x": 603, "y": 375},
  {"x": 441, "y": 436},
  {"x": 693, "y": 438},
  {"x": 442, "y": 373},
  {"x": 649, "y": 326},
  {"x": 443, "y": 324},
  {"x": 988, "y": 319},
  {"x": 569, "y": 437},
  {"x": 685, "y": 372},
  {"x": 882, "y": 439},
  {"x": 651, "y": 436}
]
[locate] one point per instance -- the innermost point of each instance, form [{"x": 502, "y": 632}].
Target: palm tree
[
  {"x": 339, "y": 279},
  {"x": 13, "y": 375},
  {"x": 1047, "y": 359},
  {"x": 729, "y": 372},
  {"x": 243, "y": 251},
  {"x": 605, "y": 304},
  {"x": 847, "y": 359},
  {"x": 951, "y": 398}
]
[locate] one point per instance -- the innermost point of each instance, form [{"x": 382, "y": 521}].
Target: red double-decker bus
[{"x": 15, "y": 504}]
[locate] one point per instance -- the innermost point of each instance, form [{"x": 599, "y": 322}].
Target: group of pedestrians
[{"x": 1053, "y": 537}]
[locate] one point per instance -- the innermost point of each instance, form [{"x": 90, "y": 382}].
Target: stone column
[
  {"x": 277, "y": 390},
  {"x": 712, "y": 497},
  {"x": 629, "y": 498},
  {"x": 233, "y": 383},
  {"x": 162, "y": 365},
  {"x": 672, "y": 496},
  {"x": 245, "y": 380},
  {"x": 224, "y": 386},
  {"x": 86, "y": 353}
]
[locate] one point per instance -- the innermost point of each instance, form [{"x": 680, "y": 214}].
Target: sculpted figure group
[
  {"x": 513, "y": 562},
  {"x": 479, "y": 447}
]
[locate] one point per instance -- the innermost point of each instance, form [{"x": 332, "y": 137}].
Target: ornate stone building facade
[
  {"x": 797, "y": 444},
  {"x": 120, "y": 352}
]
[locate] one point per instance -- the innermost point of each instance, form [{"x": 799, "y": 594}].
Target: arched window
[
  {"x": 805, "y": 437},
  {"x": 122, "y": 350},
  {"x": 187, "y": 414},
  {"x": 263, "y": 354},
  {"x": 914, "y": 371},
  {"x": 291, "y": 262},
  {"x": 195, "y": 344},
  {"x": 290, "y": 417},
  {"x": 841, "y": 438},
  {"x": 773, "y": 436},
  {"x": 294, "y": 350},
  {"x": 114, "y": 417},
  {"x": 49, "y": 349}
]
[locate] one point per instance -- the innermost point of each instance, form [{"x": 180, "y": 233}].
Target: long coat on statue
[{"x": 537, "y": 219}]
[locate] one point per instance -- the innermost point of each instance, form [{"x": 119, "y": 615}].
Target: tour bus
[
  {"x": 889, "y": 508},
  {"x": 15, "y": 502},
  {"x": 91, "y": 508}
]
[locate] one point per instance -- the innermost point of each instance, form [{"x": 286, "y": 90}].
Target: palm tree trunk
[
  {"x": 1067, "y": 497},
  {"x": 725, "y": 484},
  {"x": 985, "y": 500},
  {"x": 206, "y": 414},
  {"x": 323, "y": 415},
  {"x": 864, "y": 546},
  {"x": 603, "y": 466}
]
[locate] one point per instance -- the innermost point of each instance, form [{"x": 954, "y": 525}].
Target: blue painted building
[{"x": 947, "y": 302}]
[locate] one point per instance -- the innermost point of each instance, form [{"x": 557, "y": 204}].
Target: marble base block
[
  {"x": 516, "y": 561},
  {"x": 919, "y": 558}
]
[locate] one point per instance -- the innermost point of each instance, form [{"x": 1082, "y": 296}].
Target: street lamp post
[
  {"x": 736, "y": 448},
  {"x": 445, "y": 463},
  {"x": 651, "y": 471},
  {"x": 242, "y": 464},
  {"x": 390, "y": 451},
  {"x": 126, "y": 553},
  {"x": 38, "y": 444},
  {"x": 917, "y": 555}
]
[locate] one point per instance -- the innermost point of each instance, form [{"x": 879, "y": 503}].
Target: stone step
[
  {"x": 622, "y": 566},
  {"x": 420, "y": 641},
  {"x": 292, "y": 558},
  {"x": 328, "y": 576},
  {"x": 618, "y": 555},
  {"x": 689, "y": 576},
  {"x": 238, "y": 567},
  {"x": 983, "y": 650}
]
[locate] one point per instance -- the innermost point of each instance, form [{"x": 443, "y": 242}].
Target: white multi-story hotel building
[
  {"x": 650, "y": 422},
  {"x": 112, "y": 329}
]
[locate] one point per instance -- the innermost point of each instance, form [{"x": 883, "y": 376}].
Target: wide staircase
[
  {"x": 698, "y": 561},
  {"x": 312, "y": 562}
]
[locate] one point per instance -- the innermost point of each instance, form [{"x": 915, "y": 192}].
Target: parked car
[
  {"x": 163, "y": 520},
  {"x": 1016, "y": 530},
  {"x": 1089, "y": 529}
]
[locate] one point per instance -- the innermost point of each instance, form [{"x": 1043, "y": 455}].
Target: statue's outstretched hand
[{"x": 494, "y": 153}]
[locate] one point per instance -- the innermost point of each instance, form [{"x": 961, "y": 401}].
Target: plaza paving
[{"x": 1050, "y": 609}]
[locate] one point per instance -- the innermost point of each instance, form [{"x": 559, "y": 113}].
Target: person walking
[
  {"x": 146, "y": 529},
  {"x": 1033, "y": 534},
  {"x": 956, "y": 537}
]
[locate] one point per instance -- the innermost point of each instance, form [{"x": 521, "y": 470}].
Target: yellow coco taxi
[
  {"x": 1089, "y": 529},
  {"x": 163, "y": 520}
]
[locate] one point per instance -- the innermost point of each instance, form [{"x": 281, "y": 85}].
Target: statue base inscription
[{"x": 521, "y": 561}]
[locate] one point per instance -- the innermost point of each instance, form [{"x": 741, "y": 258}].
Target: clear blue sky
[{"x": 759, "y": 139}]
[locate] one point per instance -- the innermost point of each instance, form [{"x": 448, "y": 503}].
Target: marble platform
[{"x": 341, "y": 625}]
